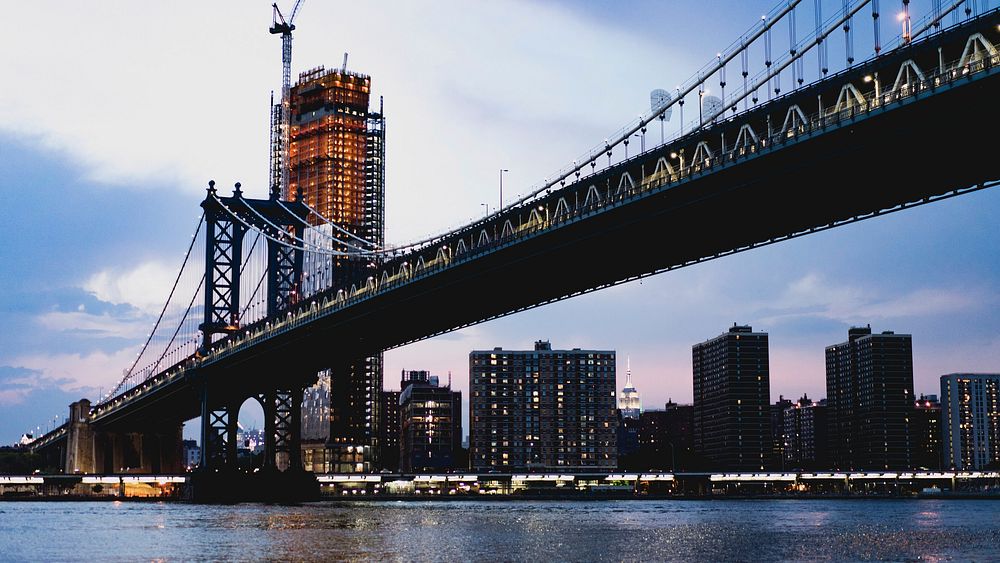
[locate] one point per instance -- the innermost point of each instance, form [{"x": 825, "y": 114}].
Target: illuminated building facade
[
  {"x": 970, "y": 410},
  {"x": 542, "y": 409},
  {"x": 629, "y": 401},
  {"x": 732, "y": 394},
  {"x": 337, "y": 161},
  {"x": 431, "y": 423},
  {"x": 805, "y": 435},
  {"x": 869, "y": 393}
]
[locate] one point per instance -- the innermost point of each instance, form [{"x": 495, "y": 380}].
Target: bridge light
[{"x": 868, "y": 78}]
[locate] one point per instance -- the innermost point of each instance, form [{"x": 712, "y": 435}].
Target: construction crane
[{"x": 281, "y": 115}]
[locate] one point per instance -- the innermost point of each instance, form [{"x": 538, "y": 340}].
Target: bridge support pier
[
  {"x": 155, "y": 449},
  {"x": 281, "y": 479}
]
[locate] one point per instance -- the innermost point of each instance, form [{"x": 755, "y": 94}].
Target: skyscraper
[
  {"x": 629, "y": 401},
  {"x": 970, "y": 410},
  {"x": 542, "y": 409},
  {"x": 431, "y": 423},
  {"x": 732, "y": 412},
  {"x": 337, "y": 161},
  {"x": 869, "y": 387}
]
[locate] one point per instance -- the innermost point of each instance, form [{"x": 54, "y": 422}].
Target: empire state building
[{"x": 628, "y": 400}]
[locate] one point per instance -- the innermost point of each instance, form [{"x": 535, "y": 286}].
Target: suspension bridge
[{"x": 787, "y": 152}]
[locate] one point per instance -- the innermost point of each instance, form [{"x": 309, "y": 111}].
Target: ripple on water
[{"x": 716, "y": 530}]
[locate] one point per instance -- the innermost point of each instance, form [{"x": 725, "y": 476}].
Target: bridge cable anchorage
[
  {"x": 163, "y": 311},
  {"x": 324, "y": 234}
]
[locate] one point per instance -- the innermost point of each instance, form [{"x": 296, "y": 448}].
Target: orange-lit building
[{"x": 337, "y": 159}]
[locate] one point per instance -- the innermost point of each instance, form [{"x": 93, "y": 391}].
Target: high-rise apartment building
[
  {"x": 869, "y": 388},
  {"x": 542, "y": 409},
  {"x": 925, "y": 433},
  {"x": 970, "y": 410},
  {"x": 732, "y": 411},
  {"x": 805, "y": 435},
  {"x": 337, "y": 160},
  {"x": 431, "y": 423},
  {"x": 389, "y": 431}
]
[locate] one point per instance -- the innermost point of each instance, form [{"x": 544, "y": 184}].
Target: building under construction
[{"x": 337, "y": 158}]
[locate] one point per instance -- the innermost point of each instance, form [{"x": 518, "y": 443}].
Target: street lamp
[{"x": 502, "y": 170}]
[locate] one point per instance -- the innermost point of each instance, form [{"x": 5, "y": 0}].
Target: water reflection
[{"x": 716, "y": 530}]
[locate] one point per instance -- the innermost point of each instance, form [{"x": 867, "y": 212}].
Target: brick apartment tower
[
  {"x": 732, "y": 394},
  {"x": 869, "y": 393}
]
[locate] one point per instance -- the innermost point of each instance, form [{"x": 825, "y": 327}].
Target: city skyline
[{"x": 88, "y": 258}]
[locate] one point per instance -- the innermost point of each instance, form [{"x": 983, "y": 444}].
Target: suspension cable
[
  {"x": 332, "y": 224},
  {"x": 315, "y": 249},
  {"x": 166, "y": 349},
  {"x": 329, "y": 236},
  {"x": 177, "y": 280}
]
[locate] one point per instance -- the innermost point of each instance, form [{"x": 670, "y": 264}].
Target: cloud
[
  {"x": 80, "y": 373},
  {"x": 95, "y": 326},
  {"x": 812, "y": 295},
  {"x": 145, "y": 286},
  {"x": 171, "y": 100}
]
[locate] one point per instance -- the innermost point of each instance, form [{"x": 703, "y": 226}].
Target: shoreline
[{"x": 511, "y": 498}]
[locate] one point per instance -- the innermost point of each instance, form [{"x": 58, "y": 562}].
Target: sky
[{"x": 114, "y": 116}]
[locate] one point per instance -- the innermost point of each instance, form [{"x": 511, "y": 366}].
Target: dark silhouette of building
[
  {"x": 869, "y": 386},
  {"x": 431, "y": 423},
  {"x": 666, "y": 439},
  {"x": 542, "y": 409},
  {"x": 732, "y": 414},
  {"x": 337, "y": 160},
  {"x": 628, "y": 440},
  {"x": 805, "y": 435},
  {"x": 777, "y": 458},
  {"x": 926, "y": 433},
  {"x": 970, "y": 403},
  {"x": 389, "y": 431}
]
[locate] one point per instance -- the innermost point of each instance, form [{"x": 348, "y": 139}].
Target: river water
[{"x": 633, "y": 530}]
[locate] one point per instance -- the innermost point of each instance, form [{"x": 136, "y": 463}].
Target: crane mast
[{"x": 281, "y": 114}]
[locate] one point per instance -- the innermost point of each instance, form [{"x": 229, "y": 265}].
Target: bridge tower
[{"x": 227, "y": 221}]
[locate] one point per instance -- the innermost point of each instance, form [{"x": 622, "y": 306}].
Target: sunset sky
[{"x": 115, "y": 115}]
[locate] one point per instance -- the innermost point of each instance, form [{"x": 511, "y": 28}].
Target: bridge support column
[
  {"x": 218, "y": 433},
  {"x": 288, "y": 429}
]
